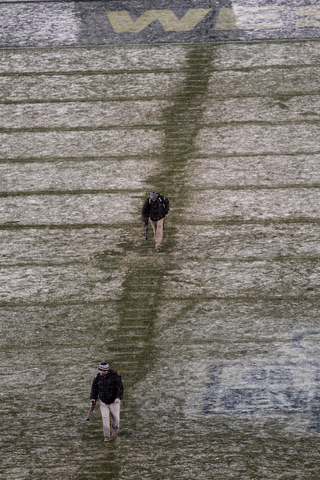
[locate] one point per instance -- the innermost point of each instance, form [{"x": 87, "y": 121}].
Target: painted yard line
[
  {"x": 67, "y": 226},
  {"x": 41, "y": 193},
  {"x": 119, "y": 72},
  {"x": 303, "y": 259},
  {"x": 197, "y": 299},
  {"x": 34, "y": 1},
  {"x": 102, "y": 99},
  {"x": 155, "y": 126},
  {"x": 165, "y": 97},
  {"x": 156, "y": 156},
  {"x": 93, "y": 73},
  {"x": 199, "y": 156},
  {"x": 80, "y": 159},
  {"x": 45, "y": 264},
  {"x": 298, "y": 220},
  {"x": 104, "y": 128}
]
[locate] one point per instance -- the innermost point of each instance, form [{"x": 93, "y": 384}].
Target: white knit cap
[{"x": 104, "y": 367}]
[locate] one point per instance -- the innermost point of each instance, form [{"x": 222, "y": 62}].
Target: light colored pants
[
  {"x": 158, "y": 232},
  {"x": 107, "y": 411}
]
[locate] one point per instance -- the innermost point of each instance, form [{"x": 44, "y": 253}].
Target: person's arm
[
  {"x": 119, "y": 389},
  {"x": 94, "y": 391},
  {"x": 166, "y": 206},
  {"x": 145, "y": 211}
]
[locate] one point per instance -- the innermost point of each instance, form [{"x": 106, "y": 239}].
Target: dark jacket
[
  {"x": 155, "y": 210},
  {"x": 107, "y": 387}
]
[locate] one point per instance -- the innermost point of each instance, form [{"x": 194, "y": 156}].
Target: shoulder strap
[{"x": 161, "y": 200}]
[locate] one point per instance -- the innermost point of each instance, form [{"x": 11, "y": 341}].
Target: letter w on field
[{"x": 123, "y": 23}]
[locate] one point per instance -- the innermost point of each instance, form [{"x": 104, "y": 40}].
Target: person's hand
[
  {"x": 92, "y": 402},
  {"x": 117, "y": 400}
]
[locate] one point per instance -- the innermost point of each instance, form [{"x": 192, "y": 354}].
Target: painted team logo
[
  {"x": 237, "y": 16},
  {"x": 94, "y": 22},
  {"x": 270, "y": 388},
  {"x": 122, "y": 22}
]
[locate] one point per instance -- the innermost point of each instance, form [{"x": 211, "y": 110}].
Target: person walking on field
[
  {"x": 156, "y": 207},
  {"x": 107, "y": 386}
]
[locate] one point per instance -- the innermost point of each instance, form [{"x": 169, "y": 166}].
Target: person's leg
[
  {"x": 115, "y": 418},
  {"x": 154, "y": 227},
  {"x": 159, "y": 234},
  {"x": 105, "y": 413}
]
